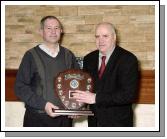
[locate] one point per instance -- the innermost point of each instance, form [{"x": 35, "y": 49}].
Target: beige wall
[{"x": 134, "y": 25}]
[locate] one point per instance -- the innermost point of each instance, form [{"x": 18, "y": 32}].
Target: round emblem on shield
[{"x": 74, "y": 84}]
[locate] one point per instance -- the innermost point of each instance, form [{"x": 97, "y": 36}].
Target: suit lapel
[{"x": 96, "y": 63}]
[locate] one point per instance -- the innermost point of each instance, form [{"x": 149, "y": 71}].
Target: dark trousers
[
  {"x": 35, "y": 119},
  {"x": 93, "y": 122}
]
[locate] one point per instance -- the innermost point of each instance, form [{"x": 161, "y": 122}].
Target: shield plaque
[{"x": 65, "y": 84}]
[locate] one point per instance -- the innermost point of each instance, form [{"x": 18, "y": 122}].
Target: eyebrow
[{"x": 102, "y": 35}]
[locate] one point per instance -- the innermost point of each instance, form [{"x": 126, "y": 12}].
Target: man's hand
[
  {"x": 49, "y": 109},
  {"x": 84, "y": 96}
]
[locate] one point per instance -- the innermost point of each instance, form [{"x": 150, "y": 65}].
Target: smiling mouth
[{"x": 53, "y": 37}]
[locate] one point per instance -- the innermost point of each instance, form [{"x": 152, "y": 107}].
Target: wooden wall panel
[
  {"x": 10, "y": 76},
  {"x": 146, "y": 93}
]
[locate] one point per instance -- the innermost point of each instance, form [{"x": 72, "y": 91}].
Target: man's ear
[
  {"x": 61, "y": 31},
  {"x": 115, "y": 37}
]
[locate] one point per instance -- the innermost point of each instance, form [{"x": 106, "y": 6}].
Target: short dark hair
[{"x": 49, "y": 17}]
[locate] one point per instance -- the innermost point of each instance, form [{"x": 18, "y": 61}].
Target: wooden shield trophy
[{"x": 65, "y": 85}]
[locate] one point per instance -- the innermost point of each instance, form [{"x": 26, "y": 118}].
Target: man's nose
[
  {"x": 101, "y": 40},
  {"x": 53, "y": 31}
]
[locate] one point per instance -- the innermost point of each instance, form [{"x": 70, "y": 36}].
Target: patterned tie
[{"x": 102, "y": 67}]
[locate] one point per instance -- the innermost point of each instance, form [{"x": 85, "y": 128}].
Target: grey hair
[{"x": 113, "y": 31}]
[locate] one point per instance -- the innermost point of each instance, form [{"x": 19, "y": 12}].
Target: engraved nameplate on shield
[{"x": 65, "y": 84}]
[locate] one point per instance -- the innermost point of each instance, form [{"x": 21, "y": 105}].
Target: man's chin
[
  {"x": 102, "y": 50},
  {"x": 53, "y": 42}
]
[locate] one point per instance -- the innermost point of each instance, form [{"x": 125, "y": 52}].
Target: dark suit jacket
[{"x": 116, "y": 90}]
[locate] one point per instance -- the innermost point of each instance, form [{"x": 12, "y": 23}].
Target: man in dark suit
[{"x": 115, "y": 73}]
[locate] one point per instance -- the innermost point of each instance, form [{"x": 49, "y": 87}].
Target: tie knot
[{"x": 103, "y": 58}]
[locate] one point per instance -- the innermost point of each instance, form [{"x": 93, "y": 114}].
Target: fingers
[
  {"x": 49, "y": 109},
  {"x": 79, "y": 94},
  {"x": 84, "y": 96},
  {"x": 55, "y": 107}
]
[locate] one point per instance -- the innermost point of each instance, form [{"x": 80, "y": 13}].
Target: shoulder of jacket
[
  {"x": 92, "y": 54},
  {"x": 125, "y": 53},
  {"x": 66, "y": 50},
  {"x": 29, "y": 53},
  {"x": 32, "y": 49}
]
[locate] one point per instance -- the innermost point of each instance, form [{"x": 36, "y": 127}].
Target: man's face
[
  {"x": 105, "y": 40},
  {"x": 51, "y": 31}
]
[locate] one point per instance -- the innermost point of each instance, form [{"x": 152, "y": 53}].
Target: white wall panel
[{"x": 144, "y": 115}]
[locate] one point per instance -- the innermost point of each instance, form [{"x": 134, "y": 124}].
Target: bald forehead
[{"x": 107, "y": 26}]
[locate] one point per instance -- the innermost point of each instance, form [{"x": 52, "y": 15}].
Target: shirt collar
[
  {"x": 108, "y": 54},
  {"x": 46, "y": 50}
]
